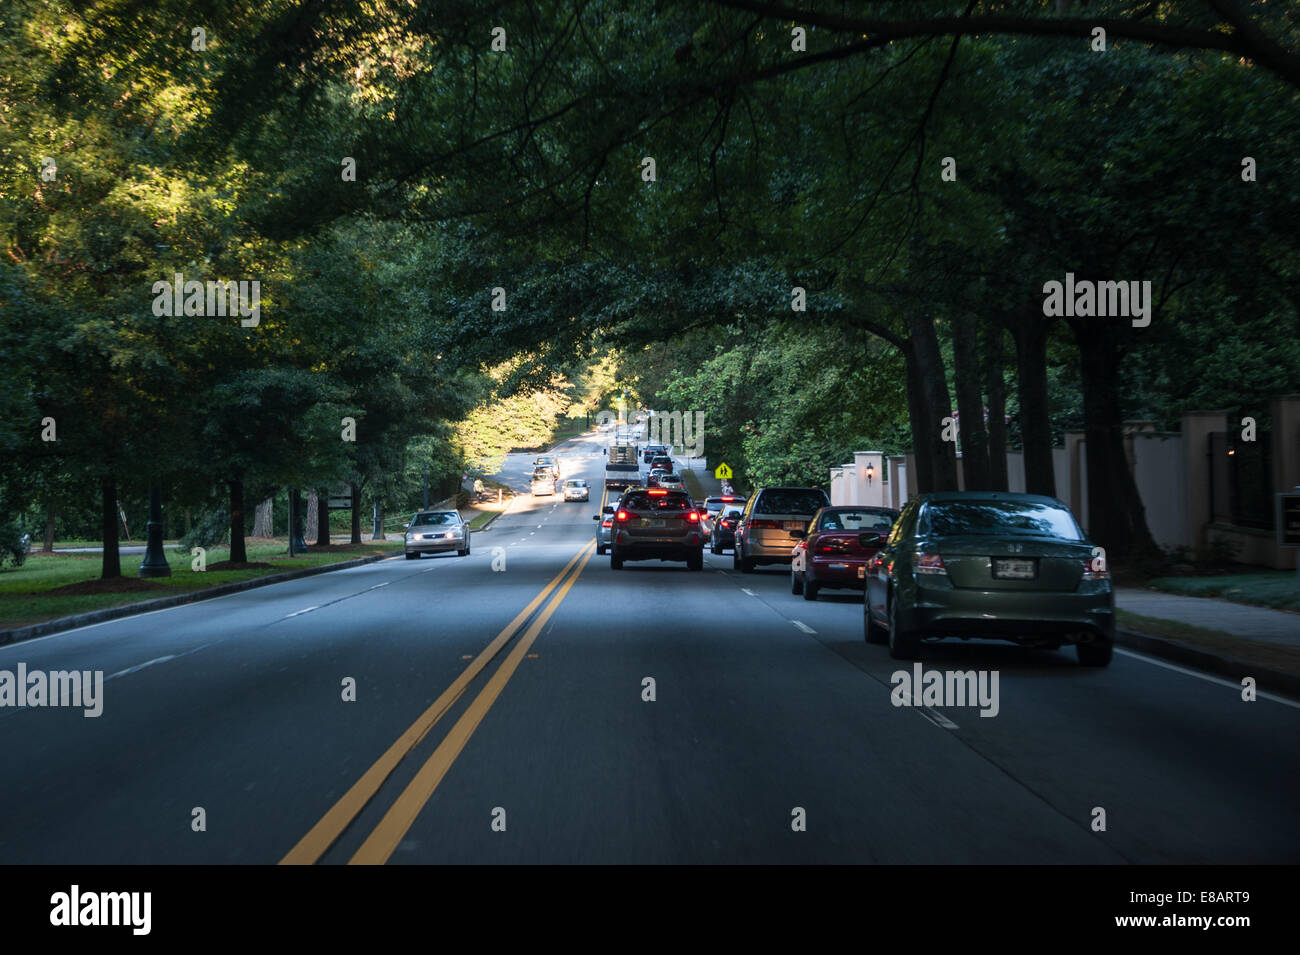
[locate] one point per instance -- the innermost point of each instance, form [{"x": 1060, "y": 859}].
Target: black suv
[{"x": 657, "y": 523}]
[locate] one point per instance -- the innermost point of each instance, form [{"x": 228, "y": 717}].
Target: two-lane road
[{"x": 501, "y": 716}]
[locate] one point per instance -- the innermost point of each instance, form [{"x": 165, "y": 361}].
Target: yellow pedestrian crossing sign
[{"x": 722, "y": 472}]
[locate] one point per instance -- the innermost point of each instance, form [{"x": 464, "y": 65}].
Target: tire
[
  {"x": 695, "y": 560},
  {"x": 1098, "y": 653},
  {"x": 810, "y": 589},
  {"x": 600, "y": 549},
  {"x": 796, "y": 585},
  {"x": 463, "y": 553},
  {"x": 735, "y": 558},
  {"x": 410, "y": 556},
  {"x": 615, "y": 562},
  {"x": 714, "y": 548},
  {"x": 903, "y": 644}
]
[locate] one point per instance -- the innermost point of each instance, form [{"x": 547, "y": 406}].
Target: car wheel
[
  {"x": 903, "y": 644},
  {"x": 810, "y": 589},
  {"x": 1098, "y": 653},
  {"x": 463, "y": 553},
  {"x": 713, "y": 546},
  {"x": 615, "y": 562},
  {"x": 695, "y": 560},
  {"x": 600, "y": 549},
  {"x": 735, "y": 557},
  {"x": 410, "y": 556},
  {"x": 796, "y": 585}
]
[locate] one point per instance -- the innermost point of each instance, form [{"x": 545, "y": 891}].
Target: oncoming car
[
  {"x": 432, "y": 532},
  {"x": 576, "y": 489}
]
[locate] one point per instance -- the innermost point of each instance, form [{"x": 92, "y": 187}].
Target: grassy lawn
[
  {"x": 693, "y": 487},
  {"x": 25, "y": 596},
  {"x": 1276, "y": 589},
  {"x": 1286, "y": 659},
  {"x": 480, "y": 519}
]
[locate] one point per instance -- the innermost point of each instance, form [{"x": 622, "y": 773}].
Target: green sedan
[{"x": 990, "y": 564}]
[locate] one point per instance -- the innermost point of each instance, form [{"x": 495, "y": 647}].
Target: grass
[
  {"x": 693, "y": 486},
  {"x": 1270, "y": 655},
  {"x": 482, "y": 518},
  {"x": 25, "y": 597},
  {"x": 1276, "y": 589}
]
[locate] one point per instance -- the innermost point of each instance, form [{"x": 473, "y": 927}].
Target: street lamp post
[{"x": 155, "y": 560}]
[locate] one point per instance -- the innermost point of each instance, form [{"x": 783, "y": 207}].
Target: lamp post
[
  {"x": 155, "y": 561},
  {"x": 869, "y": 472}
]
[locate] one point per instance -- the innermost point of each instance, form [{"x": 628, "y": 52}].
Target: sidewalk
[{"x": 1230, "y": 639}]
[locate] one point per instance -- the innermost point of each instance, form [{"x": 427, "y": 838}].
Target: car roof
[{"x": 948, "y": 497}]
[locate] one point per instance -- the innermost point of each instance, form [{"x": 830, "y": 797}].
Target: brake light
[
  {"x": 726, "y": 523},
  {"x": 656, "y": 492},
  {"x": 607, "y": 523},
  {"x": 769, "y": 525},
  {"x": 929, "y": 564},
  {"x": 693, "y": 517},
  {"x": 1095, "y": 569},
  {"x": 621, "y": 516},
  {"x": 728, "y": 498}
]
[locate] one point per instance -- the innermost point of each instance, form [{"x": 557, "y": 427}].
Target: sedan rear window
[
  {"x": 991, "y": 518},
  {"x": 794, "y": 500},
  {"x": 880, "y": 521},
  {"x": 649, "y": 502}
]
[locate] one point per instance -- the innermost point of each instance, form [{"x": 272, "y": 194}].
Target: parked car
[
  {"x": 990, "y": 564},
  {"x": 432, "y": 532},
  {"x": 723, "y": 533},
  {"x": 839, "y": 543},
  {"x": 656, "y": 523},
  {"x": 606, "y": 530},
  {"x": 577, "y": 489},
  {"x": 765, "y": 534},
  {"x": 651, "y": 451}
]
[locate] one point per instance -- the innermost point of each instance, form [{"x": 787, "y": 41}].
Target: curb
[
  {"x": 1275, "y": 681},
  {"x": 164, "y": 603}
]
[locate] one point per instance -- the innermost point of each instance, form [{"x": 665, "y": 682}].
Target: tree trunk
[
  {"x": 1035, "y": 425},
  {"x": 111, "y": 566},
  {"x": 238, "y": 549},
  {"x": 917, "y": 415},
  {"x": 934, "y": 383},
  {"x": 379, "y": 522},
  {"x": 356, "y": 513},
  {"x": 313, "y": 515},
  {"x": 997, "y": 392},
  {"x": 264, "y": 520},
  {"x": 323, "y": 518},
  {"x": 966, "y": 380},
  {"x": 47, "y": 547},
  {"x": 1116, "y": 517}
]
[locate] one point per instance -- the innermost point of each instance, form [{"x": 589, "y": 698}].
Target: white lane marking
[
  {"x": 384, "y": 584},
  {"x": 148, "y": 663},
  {"x": 746, "y": 590},
  {"x": 933, "y": 715},
  {"x": 1210, "y": 678},
  {"x": 304, "y": 610},
  {"x": 803, "y": 626}
]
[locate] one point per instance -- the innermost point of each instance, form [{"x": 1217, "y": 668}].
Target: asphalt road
[{"x": 462, "y": 725}]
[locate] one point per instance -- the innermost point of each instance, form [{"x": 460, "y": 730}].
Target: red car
[{"x": 836, "y": 548}]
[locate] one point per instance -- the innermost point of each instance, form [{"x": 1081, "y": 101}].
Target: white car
[
  {"x": 433, "y": 532},
  {"x": 671, "y": 482},
  {"x": 577, "y": 489}
]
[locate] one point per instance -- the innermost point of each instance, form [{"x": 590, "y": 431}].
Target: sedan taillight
[
  {"x": 621, "y": 517},
  {"x": 726, "y": 523},
  {"x": 1095, "y": 569},
  {"x": 693, "y": 517},
  {"x": 607, "y": 523},
  {"x": 929, "y": 564}
]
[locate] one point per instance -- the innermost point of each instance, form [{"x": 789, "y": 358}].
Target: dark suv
[
  {"x": 657, "y": 523},
  {"x": 662, "y": 461}
]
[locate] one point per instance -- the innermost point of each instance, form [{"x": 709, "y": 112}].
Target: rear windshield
[
  {"x": 792, "y": 500},
  {"x": 881, "y": 521},
  {"x": 994, "y": 518},
  {"x": 434, "y": 518},
  {"x": 641, "y": 501}
]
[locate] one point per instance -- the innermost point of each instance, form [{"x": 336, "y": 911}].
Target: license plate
[
  {"x": 862, "y": 572},
  {"x": 1014, "y": 569},
  {"x": 649, "y": 522},
  {"x": 794, "y": 525}
]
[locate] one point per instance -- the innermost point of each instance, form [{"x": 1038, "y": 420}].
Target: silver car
[
  {"x": 432, "y": 532},
  {"x": 606, "y": 532},
  {"x": 577, "y": 489},
  {"x": 765, "y": 532}
]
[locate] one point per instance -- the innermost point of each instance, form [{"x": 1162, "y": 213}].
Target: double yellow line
[{"x": 379, "y": 845}]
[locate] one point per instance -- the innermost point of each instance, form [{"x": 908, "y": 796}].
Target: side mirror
[
  {"x": 870, "y": 539},
  {"x": 406, "y": 525},
  {"x": 595, "y": 517}
]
